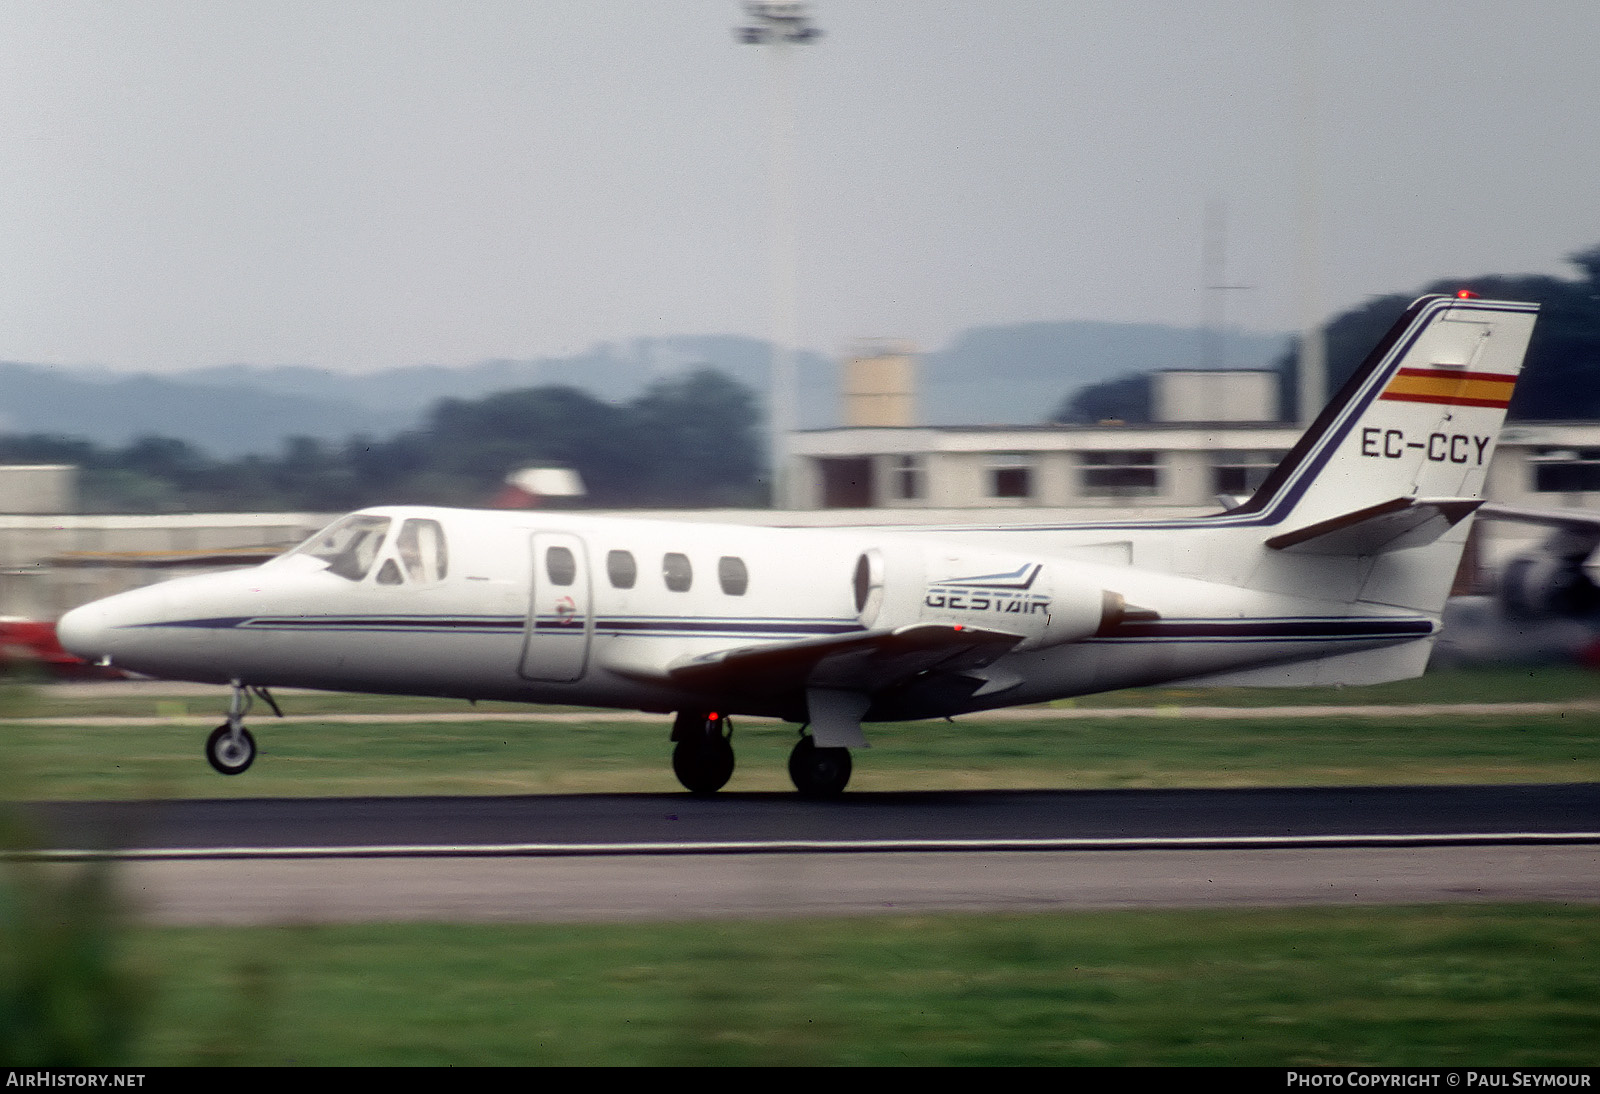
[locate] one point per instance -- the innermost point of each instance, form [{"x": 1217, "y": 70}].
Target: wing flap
[{"x": 862, "y": 662}]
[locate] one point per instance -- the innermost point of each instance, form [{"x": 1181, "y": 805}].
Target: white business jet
[{"x": 1335, "y": 571}]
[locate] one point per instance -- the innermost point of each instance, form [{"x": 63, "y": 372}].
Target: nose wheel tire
[
  {"x": 819, "y": 772},
  {"x": 230, "y": 755}
]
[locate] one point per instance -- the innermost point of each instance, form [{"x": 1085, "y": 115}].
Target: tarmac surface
[{"x": 661, "y": 856}]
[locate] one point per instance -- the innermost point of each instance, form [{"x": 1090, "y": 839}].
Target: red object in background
[{"x": 32, "y": 642}]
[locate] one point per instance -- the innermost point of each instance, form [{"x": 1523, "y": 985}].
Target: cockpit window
[
  {"x": 421, "y": 548},
  {"x": 348, "y": 546}
]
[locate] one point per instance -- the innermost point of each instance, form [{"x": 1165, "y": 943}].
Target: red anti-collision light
[{"x": 1466, "y": 294}]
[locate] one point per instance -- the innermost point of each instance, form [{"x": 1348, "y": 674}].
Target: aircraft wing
[
  {"x": 1576, "y": 532},
  {"x": 867, "y": 662},
  {"x": 1570, "y": 520}
]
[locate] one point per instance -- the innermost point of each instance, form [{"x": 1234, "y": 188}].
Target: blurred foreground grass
[{"x": 1332, "y": 986}]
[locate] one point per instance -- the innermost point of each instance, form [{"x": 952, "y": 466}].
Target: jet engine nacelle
[
  {"x": 1038, "y": 600},
  {"x": 1545, "y": 583}
]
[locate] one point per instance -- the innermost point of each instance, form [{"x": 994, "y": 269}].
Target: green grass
[
  {"x": 1421, "y": 986},
  {"x": 1480, "y": 684},
  {"x": 335, "y": 759},
  {"x": 316, "y": 760}
]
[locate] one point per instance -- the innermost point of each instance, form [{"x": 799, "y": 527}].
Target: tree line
[
  {"x": 687, "y": 441},
  {"x": 1560, "y": 377}
]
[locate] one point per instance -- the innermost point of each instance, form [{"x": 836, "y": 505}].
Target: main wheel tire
[
  {"x": 703, "y": 766},
  {"x": 819, "y": 772},
  {"x": 227, "y": 756}
]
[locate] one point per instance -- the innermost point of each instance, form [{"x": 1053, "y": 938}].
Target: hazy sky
[{"x": 364, "y": 184}]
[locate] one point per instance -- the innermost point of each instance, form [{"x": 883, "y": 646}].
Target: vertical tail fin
[{"x": 1417, "y": 421}]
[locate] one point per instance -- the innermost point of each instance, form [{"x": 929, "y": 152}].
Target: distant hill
[
  {"x": 1003, "y": 374},
  {"x": 1021, "y": 372}
]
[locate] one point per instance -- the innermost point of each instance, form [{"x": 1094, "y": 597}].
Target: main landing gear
[
  {"x": 818, "y": 772},
  {"x": 231, "y": 749},
  {"x": 703, "y": 758}
]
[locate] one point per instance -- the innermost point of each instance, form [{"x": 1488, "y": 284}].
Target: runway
[
  {"x": 633, "y": 857},
  {"x": 653, "y": 887}
]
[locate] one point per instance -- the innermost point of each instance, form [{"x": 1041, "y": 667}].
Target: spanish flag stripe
[
  {"x": 1502, "y": 377},
  {"x": 1449, "y": 400},
  {"x": 1451, "y": 388}
]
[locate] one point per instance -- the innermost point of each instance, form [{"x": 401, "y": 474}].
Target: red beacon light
[{"x": 1466, "y": 294}]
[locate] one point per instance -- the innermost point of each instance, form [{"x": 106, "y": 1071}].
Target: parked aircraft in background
[
  {"x": 1545, "y": 605},
  {"x": 1335, "y": 571},
  {"x": 29, "y": 646}
]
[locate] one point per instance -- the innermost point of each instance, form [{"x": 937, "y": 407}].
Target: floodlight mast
[{"x": 780, "y": 24}]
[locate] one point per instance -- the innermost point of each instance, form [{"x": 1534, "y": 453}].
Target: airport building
[
  {"x": 52, "y": 558},
  {"x": 1214, "y": 437}
]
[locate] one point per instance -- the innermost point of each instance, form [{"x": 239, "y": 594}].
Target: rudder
[{"x": 1418, "y": 420}]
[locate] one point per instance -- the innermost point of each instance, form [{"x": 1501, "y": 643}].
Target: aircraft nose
[{"x": 85, "y": 632}]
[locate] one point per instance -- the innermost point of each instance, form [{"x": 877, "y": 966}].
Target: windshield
[{"x": 349, "y": 546}]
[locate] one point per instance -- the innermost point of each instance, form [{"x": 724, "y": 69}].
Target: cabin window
[
  {"x": 348, "y": 546},
  {"x": 621, "y": 569},
  {"x": 421, "y": 548},
  {"x": 677, "y": 572},
  {"x": 560, "y": 564},
  {"x": 735, "y": 579}
]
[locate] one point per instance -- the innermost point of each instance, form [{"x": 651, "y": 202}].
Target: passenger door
[{"x": 561, "y": 609}]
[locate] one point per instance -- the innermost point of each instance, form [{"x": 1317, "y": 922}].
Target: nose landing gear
[{"x": 231, "y": 749}]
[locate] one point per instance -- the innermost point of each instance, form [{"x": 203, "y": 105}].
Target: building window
[
  {"x": 1566, "y": 470},
  {"x": 1115, "y": 474},
  {"x": 676, "y": 572},
  {"x": 909, "y": 477},
  {"x": 1238, "y": 474},
  {"x": 1010, "y": 476},
  {"x": 621, "y": 569},
  {"x": 846, "y": 482},
  {"x": 732, "y": 575}
]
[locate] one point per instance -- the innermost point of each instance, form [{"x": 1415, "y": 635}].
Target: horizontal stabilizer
[
  {"x": 861, "y": 662},
  {"x": 1388, "y": 526}
]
